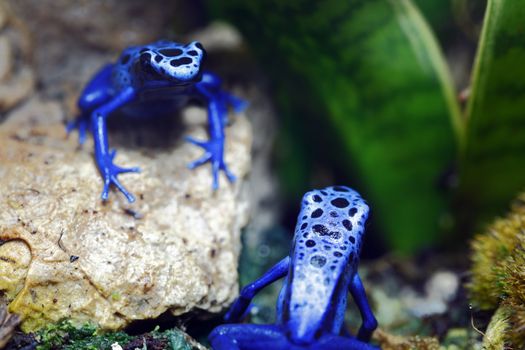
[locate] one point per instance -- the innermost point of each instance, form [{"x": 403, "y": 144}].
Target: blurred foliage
[
  {"x": 364, "y": 92},
  {"x": 492, "y": 168},
  {"x": 438, "y": 14},
  {"x": 468, "y": 17},
  {"x": 498, "y": 274},
  {"x": 366, "y": 87}
]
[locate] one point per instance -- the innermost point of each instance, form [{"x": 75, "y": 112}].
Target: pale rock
[
  {"x": 65, "y": 254},
  {"x": 17, "y": 79}
]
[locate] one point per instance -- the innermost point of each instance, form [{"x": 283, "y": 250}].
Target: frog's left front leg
[
  {"x": 218, "y": 103},
  {"x": 103, "y": 155}
]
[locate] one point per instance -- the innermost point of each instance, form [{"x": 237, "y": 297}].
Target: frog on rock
[
  {"x": 319, "y": 272},
  {"x": 147, "y": 80}
]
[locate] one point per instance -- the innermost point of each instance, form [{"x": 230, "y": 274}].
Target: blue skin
[
  {"x": 321, "y": 269},
  {"x": 148, "y": 80}
]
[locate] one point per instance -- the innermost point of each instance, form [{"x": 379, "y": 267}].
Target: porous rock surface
[
  {"x": 16, "y": 76},
  {"x": 65, "y": 254}
]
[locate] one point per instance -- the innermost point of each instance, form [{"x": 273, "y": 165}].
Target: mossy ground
[
  {"x": 498, "y": 275},
  {"x": 65, "y": 336}
]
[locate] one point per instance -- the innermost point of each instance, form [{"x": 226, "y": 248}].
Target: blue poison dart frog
[
  {"x": 161, "y": 76},
  {"x": 319, "y": 272}
]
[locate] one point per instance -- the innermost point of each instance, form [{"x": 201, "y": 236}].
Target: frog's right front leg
[
  {"x": 103, "y": 155},
  {"x": 241, "y": 304}
]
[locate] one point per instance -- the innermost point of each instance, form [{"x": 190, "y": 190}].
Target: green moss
[
  {"x": 494, "y": 338},
  {"x": 498, "y": 273},
  {"x": 65, "y": 336}
]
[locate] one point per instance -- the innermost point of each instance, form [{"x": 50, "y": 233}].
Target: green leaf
[
  {"x": 438, "y": 13},
  {"x": 369, "y": 83},
  {"x": 492, "y": 169}
]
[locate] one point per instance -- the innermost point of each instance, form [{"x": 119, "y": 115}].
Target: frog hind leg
[
  {"x": 97, "y": 92},
  {"x": 249, "y": 336},
  {"x": 218, "y": 102},
  {"x": 335, "y": 342}
]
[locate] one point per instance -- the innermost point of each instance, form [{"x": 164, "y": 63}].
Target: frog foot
[
  {"x": 238, "y": 104},
  {"x": 214, "y": 154},
  {"x": 82, "y": 125},
  {"x": 110, "y": 172}
]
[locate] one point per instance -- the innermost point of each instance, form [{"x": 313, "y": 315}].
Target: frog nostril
[
  {"x": 145, "y": 56},
  {"x": 145, "y": 59}
]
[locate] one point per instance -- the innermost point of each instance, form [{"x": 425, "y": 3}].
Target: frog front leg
[
  {"x": 369, "y": 321},
  {"x": 217, "y": 102},
  {"x": 97, "y": 92},
  {"x": 103, "y": 155},
  {"x": 234, "y": 336},
  {"x": 246, "y": 295}
]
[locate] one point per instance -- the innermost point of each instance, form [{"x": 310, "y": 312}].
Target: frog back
[{"x": 324, "y": 258}]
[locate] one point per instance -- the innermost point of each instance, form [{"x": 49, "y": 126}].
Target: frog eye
[
  {"x": 145, "y": 59},
  {"x": 145, "y": 63}
]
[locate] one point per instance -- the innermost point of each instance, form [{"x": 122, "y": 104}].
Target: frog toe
[
  {"x": 232, "y": 178},
  {"x": 112, "y": 180},
  {"x": 196, "y": 142},
  {"x": 206, "y": 157},
  {"x": 122, "y": 189},
  {"x": 119, "y": 170},
  {"x": 81, "y": 124},
  {"x": 215, "y": 173},
  {"x": 238, "y": 104}
]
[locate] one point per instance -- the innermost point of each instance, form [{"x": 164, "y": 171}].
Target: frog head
[{"x": 178, "y": 63}]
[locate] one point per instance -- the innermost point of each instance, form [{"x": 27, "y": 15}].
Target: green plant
[{"x": 364, "y": 90}]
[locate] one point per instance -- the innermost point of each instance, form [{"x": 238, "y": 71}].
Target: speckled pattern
[
  {"x": 326, "y": 249},
  {"x": 164, "y": 59},
  {"x": 329, "y": 229},
  {"x": 320, "y": 271}
]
